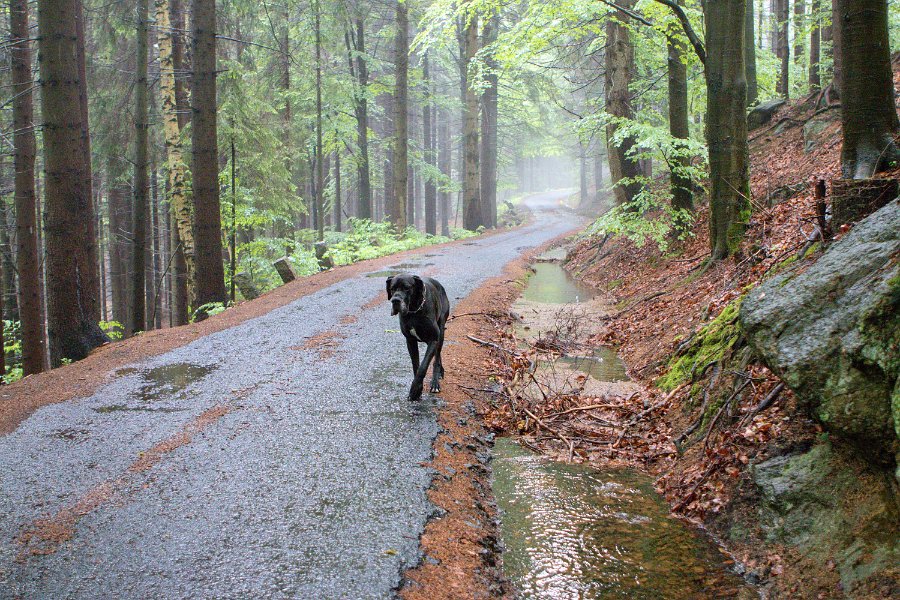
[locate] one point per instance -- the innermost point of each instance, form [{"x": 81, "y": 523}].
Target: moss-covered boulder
[
  {"x": 838, "y": 512},
  {"x": 832, "y": 332}
]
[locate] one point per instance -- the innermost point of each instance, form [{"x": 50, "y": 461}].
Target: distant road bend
[{"x": 278, "y": 458}]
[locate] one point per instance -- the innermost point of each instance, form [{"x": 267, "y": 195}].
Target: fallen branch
[
  {"x": 725, "y": 405},
  {"x": 566, "y": 440},
  {"x": 491, "y": 345},
  {"x": 770, "y": 399}
]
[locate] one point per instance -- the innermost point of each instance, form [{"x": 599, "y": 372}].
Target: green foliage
[
  {"x": 12, "y": 350},
  {"x": 366, "y": 239},
  {"x": 709, "y": 345},
  {"x": 113, "y": 329},
  {"x": 649, "y": 217},
  {"x": 207, "y": 310}
]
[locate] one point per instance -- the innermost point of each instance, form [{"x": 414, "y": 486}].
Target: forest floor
[{"x": 650, "y": 308}]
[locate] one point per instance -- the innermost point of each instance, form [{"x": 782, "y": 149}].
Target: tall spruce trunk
[
  {"x": 73, "y": 287},
  {"x": 210, "y": 271},
  {"x": 141, "y": 181},
  {"x": 428, "y": 139},
  {"x": 750, "y": 55},
  {"x": 364, "y": 202},
  {"x": 799, "y": 17},
  {"x": 395, "y": 208},
  {"x": 320, "y": 157},
  {"x": 680, "y": 182},
  {"x": 617, "y": 80},
  {"x": 445, "y": 162},
  {"x": 726, "y": 126},
  {"x": 27, "y": 254},
  {"x": 177, "y": 192},
  {"x": 472, "y": 213},
  {"x": 489, "y": 128},
  {"x": 338, "y": 223},
  {"x": 868, "y": 113}
]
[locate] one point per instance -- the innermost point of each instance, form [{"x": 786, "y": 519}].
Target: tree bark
[
  {"x": 445, "y": 161},
  {"x": 783, "y": 48},
  {"x": 27, "y": 254},
  {"x": 177, "y": 192},
  {"x": 364, "y": 203},
  {"x": 750, "y": 55},
  {"x": 210, "y": 271},
  {"x": 680, "y": 182},
  {"x": 73, "y": 303},
  {"x": 430, "y": 190},
  {"x": 395, "y": 208},
  {"x": 337, "y": 192},
  {"x": 868, "y": 113},
  {"x": 726, "y": 126},
  {"x": 815, "y": 78},
  {"x": 617, "y": 80},
  {"x": 320, "y": 157},
  {"x": 799, "y": 17},
  {"x": 489, "y": 128},
  {"x": 141, "y": 181},
  {"x": 472, "y": 208}
]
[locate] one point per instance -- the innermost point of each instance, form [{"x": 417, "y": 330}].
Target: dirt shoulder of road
[
  {"x": 21, "y": 399},
  {"x": 461, "y": 546}
]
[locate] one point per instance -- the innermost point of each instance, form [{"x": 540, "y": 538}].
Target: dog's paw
[
  {"x": 415, "y": 394},
  {"x": 435, "y": 387}
]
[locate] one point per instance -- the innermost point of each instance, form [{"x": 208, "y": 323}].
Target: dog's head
[{"x": 405, "y": 292}]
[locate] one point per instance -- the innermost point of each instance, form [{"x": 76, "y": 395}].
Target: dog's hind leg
[
  {"x": 413, "y": 347},
  {"x": 415, "y": 391}
]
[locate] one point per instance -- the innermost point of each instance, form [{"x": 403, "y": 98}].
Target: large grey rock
[
  {"x": 762, "y": 113},
  {"x": 832, "y": 332},
  {"x": 816, "y": 127}
]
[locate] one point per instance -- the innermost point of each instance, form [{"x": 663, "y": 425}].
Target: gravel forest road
[{"x": 278, "y": 458}]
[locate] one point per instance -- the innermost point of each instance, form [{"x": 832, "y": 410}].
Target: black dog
[{"x": 423, "y": 307}]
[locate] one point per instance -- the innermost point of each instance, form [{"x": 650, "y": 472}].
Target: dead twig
[{"x": 770, "y": 399}]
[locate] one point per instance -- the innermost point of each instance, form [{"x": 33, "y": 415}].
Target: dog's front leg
[
  {"x": 413, "y": 347},
  {"x": 415, "y": 391}
]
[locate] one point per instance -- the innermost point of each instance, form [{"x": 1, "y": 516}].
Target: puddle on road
[
  {"x": 551, "y": 284},
  {"x": 603, "y": 365},
  {"x": 570, "y": 531},
  {"x": 158, "y": 384},
  {"x": 397, "y": 269}
]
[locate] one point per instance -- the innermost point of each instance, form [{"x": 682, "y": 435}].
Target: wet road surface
[{"x": 278, "y": 458}]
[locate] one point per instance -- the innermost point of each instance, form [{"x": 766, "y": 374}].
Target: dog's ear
[
  {"x": 388, "y": 283},
  {"x": 418, "y": 292}
]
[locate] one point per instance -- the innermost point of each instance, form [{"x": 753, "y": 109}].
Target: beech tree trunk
[
  {"x": 472, "y": 208},
  {"x": 397, "y": 205},
  {"x": 726, "y": 126},
  {"x": 27, "y": 254},
  {"x": 750, "y": 54},
  {"x": 815, "y": 78},
  {"x": 619, "y": 73},
  {"x": 680, "y": 182},
  {"x": 782, "y": 16},
  {"x": 141, "y": 181},
  {"x": 210, "y": 271},
  {"x": 445, "y": 161},
  {"x": 868, "y": 113},
  {"x": 73, "y": 287},
  {"x": 799, "y": 17},
  {"x": 489, "y": 128}
]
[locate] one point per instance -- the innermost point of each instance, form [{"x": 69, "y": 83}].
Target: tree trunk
[
  {"x": 119, "y": 247},
  {"x": 337, "y": 192},
  {"x": 27, "y": 254},
  {"x": 178, "y": 194},
  {"x": 799, "y": 17},
  {"x": 364, "y": 204},
  {"x": 472, "y": 213},
  {"x": 141, "y": 182},
  {"x": 868, "y": 114},
  {"x": 750, "y": 55},
  {"x": 445, "y": 161},
  {"x": 155, "y": 279},
  {"x": 815, "y": 79},
  {"x": 782, "y": 16},
  {"x": 320, "y": 158},
  {"x": 210, "y": 272},
  {"x": 489, "y": 128},
  {"x": 679, "y": 180},
  {"x": 829, "y": 51},
  {"x": 726, "y": 126},
  {"x": 617, "y": 80},
  {"x": 598, "y": 180},
  {"x": 396, "y": 206},
  {"x": 430, "y": 190},
  {"x": 73, "y": 303}
]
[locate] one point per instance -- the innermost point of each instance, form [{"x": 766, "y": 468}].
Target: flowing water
[
  {"x": 570, "y": 531},
  {"x": 552, "y": 284}
]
